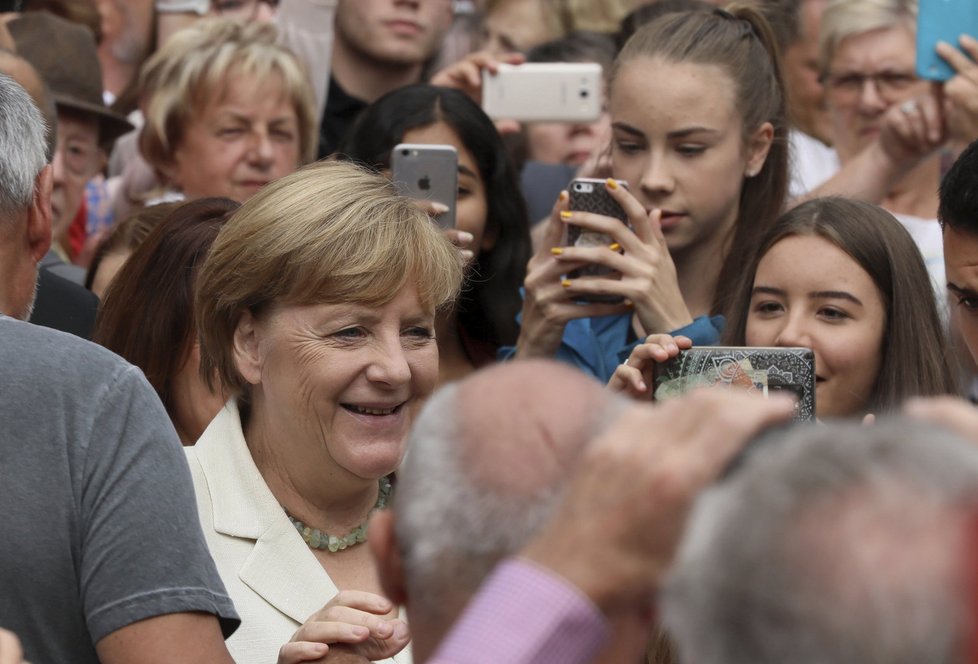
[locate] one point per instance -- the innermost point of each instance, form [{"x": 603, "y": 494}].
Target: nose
[
  {"x": 795, "y": 332},
  {"x": 58, "y": 168},
  {"x": 870, "y": 99},
  {"x": 389, "y": 366},
  {"x": 657, "y": 178},
  {"x": 260, "y": 152}
]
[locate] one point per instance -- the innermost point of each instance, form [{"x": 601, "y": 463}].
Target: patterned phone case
[
  {"x": 761, "y": 370},
  {"x": 590, "y": 195}
]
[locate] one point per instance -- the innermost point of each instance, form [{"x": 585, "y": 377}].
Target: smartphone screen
[{"x": 427, "y": 172}]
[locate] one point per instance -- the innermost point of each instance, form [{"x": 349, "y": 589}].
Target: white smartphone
[
  {"x": 427, "y": 172},
  {"x": 544, "y": 92}
]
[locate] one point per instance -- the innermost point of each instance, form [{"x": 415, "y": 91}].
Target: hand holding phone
[
  {"x": 428, "y": 173},
  {"x": 942, "y": 20},
  {"x": 590, "y": 195}
]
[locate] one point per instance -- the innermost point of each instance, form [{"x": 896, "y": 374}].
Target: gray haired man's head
[
  {"x": 25, "y": 192},
  {"x": 835, "y": 544},
  {"x": 486, "y": 464}
]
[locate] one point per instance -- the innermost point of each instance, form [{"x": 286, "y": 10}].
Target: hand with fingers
[
  {"x": 911, "y": 131},
  {"x": 634, "y": 376},
  {"x": 461, "y": 239},
  {"x": 635, "y": 485},
  {"x": 353, "y": 623},
  {"x": 547, "y": 304},
  {"x": 961, "y": 91},
  {"x": 646, "y": 274},
  {"x": 466, "y": 74}
]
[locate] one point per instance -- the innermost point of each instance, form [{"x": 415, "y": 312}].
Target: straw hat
[{"x": 65, "y": 55}]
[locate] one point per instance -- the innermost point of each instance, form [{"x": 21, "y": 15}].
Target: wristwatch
[{"x": 200, "y": 7}]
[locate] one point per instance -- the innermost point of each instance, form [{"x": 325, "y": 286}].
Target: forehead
[
  {"x": 812, "y": 263},
  {"x": 892, "y": 45},
  {"x": 960, "y": 253},
  {"x": 243, "y": 89},
  {"x": 441, "y": 133},
  {"x": 77, "y": 125},
  {"x": 651, "y": 91}
]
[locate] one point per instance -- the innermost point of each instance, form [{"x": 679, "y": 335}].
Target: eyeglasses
[
  {"x": 850, "y": 84},
  {"x": 244, "y": 10}
]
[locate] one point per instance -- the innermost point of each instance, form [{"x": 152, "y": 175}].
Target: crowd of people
[{"x": 258, "y": 405}]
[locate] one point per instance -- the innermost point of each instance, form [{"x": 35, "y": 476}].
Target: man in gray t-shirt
[{"x": 101, "y": 554}]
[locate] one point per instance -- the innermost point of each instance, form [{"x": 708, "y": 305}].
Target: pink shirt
[{"x": 525, "y": 613}]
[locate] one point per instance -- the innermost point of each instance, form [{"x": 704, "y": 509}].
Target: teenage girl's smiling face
[
  {"x": 809, "y": 292},
  {"x": 678, "y": 141}
]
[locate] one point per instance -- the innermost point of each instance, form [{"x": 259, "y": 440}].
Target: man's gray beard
[{"x": 29, "y": 310}]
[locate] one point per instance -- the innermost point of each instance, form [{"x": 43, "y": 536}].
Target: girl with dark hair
[
  {"x": 843, "y": 278},
  {"x": 698, "y": 134},
  {"x": 491, "y": 217},
  {"x": 147, "y": 314}
]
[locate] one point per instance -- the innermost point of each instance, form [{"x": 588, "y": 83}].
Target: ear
[
  {"x": 247, "y": 349},
  {"x": 39, "y": 214},
  {"x": 383, "y": 545},
  {"x": 758, "y": 145}
]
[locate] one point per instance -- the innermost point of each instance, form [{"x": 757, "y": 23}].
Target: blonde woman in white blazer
[{"x": 315, "y": 309}]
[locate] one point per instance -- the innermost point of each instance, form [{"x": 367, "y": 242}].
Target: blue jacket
[{"x": 598, "y": 345}]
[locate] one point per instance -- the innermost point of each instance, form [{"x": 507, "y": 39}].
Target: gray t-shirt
[{"x": 98, "y": 523}]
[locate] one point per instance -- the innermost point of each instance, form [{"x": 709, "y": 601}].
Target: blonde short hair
[
  {"x": 844, "y": 18},
  {"x": 328, "y": 233},
  {"x": 183, "y": 76}
]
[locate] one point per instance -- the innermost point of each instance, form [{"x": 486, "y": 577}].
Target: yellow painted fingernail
[
  {"x": 556, "y": 251},
  {"x": 565, "y": 283},
  {"x": 629, "y": 303},
  {"x": 565, "y": 214},
  {"x": 562, "y": 197},
  {"x": 612, "y": 184},
  {"x": 614, "y": 247}
]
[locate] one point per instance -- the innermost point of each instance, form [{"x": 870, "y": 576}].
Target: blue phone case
[{"x": 942, "y": 20}]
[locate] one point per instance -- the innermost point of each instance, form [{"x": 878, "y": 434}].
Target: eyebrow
[
  {"x": 679, "y": 133},
  {"x": 465, "y": 170},
  {"x": 959, "y": 290},
  {"x": 814, "y": 295}
]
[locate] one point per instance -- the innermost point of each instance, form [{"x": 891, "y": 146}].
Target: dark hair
[
  {"x": 128, "y": 234},
  {"x": 914, "y": 360},
  {"x": 785, "y": 18},
  {"x": 741, "y": 43},
  {"x": 959, "y": 193},
  {"x": 647, "y": 13},
  {"x": 490, "y": 297},
  {"x": 147, "y": 314},
  {"x": 578, "y": 46}
]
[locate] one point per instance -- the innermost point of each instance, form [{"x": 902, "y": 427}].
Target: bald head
[
  {"x": 486, "y": 465},
  {"x": 521, "y": 424}
]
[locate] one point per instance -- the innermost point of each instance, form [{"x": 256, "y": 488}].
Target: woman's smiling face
[{"x": 809, "y": 292}]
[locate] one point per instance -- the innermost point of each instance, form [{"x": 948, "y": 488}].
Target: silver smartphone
[
  {"x": 427, "y": 172},
  {"x": 544, "y": 92}
]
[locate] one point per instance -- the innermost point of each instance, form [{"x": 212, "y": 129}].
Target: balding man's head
[{"x": 485, "y": 466}]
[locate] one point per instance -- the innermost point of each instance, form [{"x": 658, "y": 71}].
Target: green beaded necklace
[{"x": 317, "y": 539}]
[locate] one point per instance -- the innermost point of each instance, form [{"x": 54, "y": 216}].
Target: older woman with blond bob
[
  {"x": 315, "y": 309},
  {"x": 227, "y": 110}
]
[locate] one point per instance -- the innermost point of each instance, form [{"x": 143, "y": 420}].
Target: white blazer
[{"x": 273, "y": 578}]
